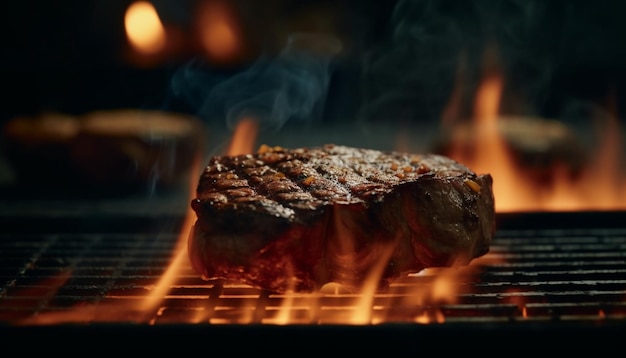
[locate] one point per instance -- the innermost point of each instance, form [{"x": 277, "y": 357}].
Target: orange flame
[
  {"x": 144, "y": 29},
  {"x": 180, "y": 257},
  {"x": 491, "y": 154},
  {"x": 600, "y": 185},
  {"x": 160, "y": 290},
  {"x": 244, "y": 136}
]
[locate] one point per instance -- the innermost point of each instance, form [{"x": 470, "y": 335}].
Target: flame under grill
[{"x": 64, "y": 266}]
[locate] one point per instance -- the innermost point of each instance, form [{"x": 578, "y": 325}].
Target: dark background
[
  {"x": 399, "y": 57},
  {"x": 71, "y": 56}
]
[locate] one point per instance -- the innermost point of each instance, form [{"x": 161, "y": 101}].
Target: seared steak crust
[{"x": 295, "y": 219}]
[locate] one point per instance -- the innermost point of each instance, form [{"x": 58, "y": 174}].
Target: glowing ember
[{"x": 144, "y": 28}]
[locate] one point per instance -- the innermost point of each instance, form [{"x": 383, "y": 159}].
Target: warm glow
[
  {"x": 160, "y": 290},
  {"x": 600, "y": 185},
  {"x": 144, "y": 28},
  {"x": 219, "y": 32},
  {"x": 443, "y": 289},
  {"x": 491, "y": 154},
  {"x": 430, "y": 317},
  {"x": 365, "y": 299},
  {"x": 244, "y": 137}
]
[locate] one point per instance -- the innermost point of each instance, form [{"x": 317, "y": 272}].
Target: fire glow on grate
[{"x": 529, "y": 275}]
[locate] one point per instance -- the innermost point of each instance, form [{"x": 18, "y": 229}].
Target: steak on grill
[{"x": 292, "y": 220}]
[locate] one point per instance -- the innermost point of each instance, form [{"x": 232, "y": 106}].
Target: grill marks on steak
[{"x": 295, "y": 219}]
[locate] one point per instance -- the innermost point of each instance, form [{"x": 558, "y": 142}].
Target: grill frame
[{"x": 385, "y": 339}]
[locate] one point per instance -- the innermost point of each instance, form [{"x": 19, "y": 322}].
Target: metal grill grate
[{"x": 91, "y": 270}]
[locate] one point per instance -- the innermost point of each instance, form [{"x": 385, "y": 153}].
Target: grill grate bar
[{"x": 534, "y": 274}]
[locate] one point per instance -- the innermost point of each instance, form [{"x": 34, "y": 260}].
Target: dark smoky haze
[
  {"x": 309, "y": 64},
  {"x": 292, "y": 85},
  {"x": 401, "y": 62}
]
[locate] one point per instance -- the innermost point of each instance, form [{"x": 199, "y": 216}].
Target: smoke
[
  {"x": 289, "y": 87},
  {"x": 436, "y": 46},
  {"x": 407, "y": 66}
]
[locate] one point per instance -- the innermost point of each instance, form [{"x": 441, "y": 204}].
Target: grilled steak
[{"x": 296, "y": 219}]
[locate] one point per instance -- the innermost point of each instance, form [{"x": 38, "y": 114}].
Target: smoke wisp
[{"x": 289, "y": 87}]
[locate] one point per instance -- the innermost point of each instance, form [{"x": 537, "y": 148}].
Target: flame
[
  {"x": 244, "y": 136},
  {"x": 160, "y": 290},
  {"x": 492, "y": 148},
  {"x": 363, "y": 314},
  {"x": 144, "y": 29},
  {"x": 219, "y": 32},
  {"x": 600, "y": 185},
  {"x": 180, "y": 256}
]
